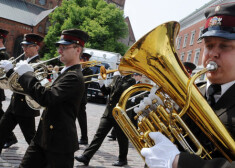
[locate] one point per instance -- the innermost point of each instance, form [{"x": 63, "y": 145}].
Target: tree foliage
[{"x": 103, "y": 22}]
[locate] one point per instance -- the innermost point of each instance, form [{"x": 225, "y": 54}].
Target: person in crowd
[
  {"x": 137, "y": 77},
  {"x": 55, "y": 72},
  {"x": 18, "y": 111},
  {"x": 56, "y": 138},
  {"x": 219, "y": 90},
  {"x": 82, "y": 116},
  {"x": 189, "y": 67},
  {"x": 115, "y": 89},
  {"x": 4, "y": 56}
]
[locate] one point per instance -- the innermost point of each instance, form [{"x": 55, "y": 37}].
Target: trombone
[{"x": 103, "y": 73}]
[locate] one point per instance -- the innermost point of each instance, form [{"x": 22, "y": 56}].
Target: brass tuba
[{"x": 154, "y": 55}]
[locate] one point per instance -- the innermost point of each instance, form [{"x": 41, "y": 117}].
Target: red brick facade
[
  {"x": 190, "y": 46},
  {"x": 16, "y": 33}
]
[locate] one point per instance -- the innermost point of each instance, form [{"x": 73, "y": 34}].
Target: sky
[{"x": 145, "y": 15}]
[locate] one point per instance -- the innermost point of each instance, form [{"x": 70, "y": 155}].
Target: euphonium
[
  {"x": 40, "y": 72},
  {"x": 176, "y": 97}
]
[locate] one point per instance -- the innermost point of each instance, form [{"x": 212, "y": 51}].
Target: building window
[
  {"x": 51, "y": 5},
  {"x": 40, "y": 29},
  {"x": 182, "y": 57},
  {"x": 189, "y": 56},
  {"x": 33, "y": 1},
  {"x": 42, "y": 2},
  {"x": 200, "y": 34},
  {"x": 192, "y": 37},
  {"x": 185, "y": 40},
  {"x": 179, "y": 42},
  {"x": 196, "y": 58},
  {"x": 47, "y": 26}
]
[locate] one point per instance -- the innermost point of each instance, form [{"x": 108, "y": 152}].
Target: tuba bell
[{"x": 175, "y": 99}]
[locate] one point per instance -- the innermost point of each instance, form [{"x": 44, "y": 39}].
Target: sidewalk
[{"x": 103, "y": 158}]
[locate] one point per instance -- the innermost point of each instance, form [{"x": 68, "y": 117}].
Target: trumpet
[
  {"x": 3, "y": 78},
  {"x": 103, "y": 73}
]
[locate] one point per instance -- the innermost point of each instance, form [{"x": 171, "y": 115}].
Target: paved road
[{"x": 103, "y": 158}]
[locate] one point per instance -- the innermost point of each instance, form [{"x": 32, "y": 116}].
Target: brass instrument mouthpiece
[{"x": 212, "y": 66}]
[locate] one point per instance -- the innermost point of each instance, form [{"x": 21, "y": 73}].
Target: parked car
[{"x": 94, "y": 93}]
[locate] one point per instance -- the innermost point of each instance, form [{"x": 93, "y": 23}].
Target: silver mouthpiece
[{"x": 212, "y": 66}]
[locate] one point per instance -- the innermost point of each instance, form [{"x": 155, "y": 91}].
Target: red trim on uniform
[
  {"x": 68, "y": 37},
  {"x": 3, "y": 35},
  {"x": 227, "y": 21},
  {"x": 32, "y": 40}
]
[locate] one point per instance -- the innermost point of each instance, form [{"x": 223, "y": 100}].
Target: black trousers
[
  {"x": 82, "y": 121},
  {"x": 36, "y": 157},
  {"x": 8, "y": 123},
  {"x": 104, "y": 127},
  {"x": 12, "y": 136}
]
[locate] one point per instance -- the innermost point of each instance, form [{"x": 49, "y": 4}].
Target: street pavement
[{"x": 104, "y": 157}]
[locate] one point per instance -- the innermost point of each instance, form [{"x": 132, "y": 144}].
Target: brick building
[
  {"x": 20, "y": 17},
  {"x": 188, "y": 47},
  {"x": 31, "y": 16}
]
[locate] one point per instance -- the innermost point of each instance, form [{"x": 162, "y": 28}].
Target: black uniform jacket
[
  {"x": 86, "y": 71},
  {"x": 225, "y": 110},
  {"x": 115, "y": 90},
  {"x": 57, "y": 129},
  {"x": 3, "y": 56},
  {"x": 18, "y": 105}
]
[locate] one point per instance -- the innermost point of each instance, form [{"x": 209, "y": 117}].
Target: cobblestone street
[{"x": 103, "y": 158}]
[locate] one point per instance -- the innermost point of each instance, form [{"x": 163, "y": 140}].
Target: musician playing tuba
[
  {"x": 219, "y": 90},
  {"x": 18, "y": 111}
]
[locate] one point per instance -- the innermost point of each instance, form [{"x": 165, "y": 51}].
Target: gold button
[
  {"x": 13, "y": 97},
  {"x": 51, "y": 126},
  {"x": 22, "y": 99},
  {"x": 110, "y": 104},
  {"x": 41, "y": 118}
]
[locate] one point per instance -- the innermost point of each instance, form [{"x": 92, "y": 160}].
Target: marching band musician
[
  {"x": 114, "y": 90},
  {"x": 82, "y": 116},
  {"x": 4, "y": 56},
  {"x": 219, "y": 38},
  {"x": 56, "y": 138},
  {"x": 18, "y": 111}
]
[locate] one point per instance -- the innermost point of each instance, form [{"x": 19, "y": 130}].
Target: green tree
[{"x": 103, "y": 22}]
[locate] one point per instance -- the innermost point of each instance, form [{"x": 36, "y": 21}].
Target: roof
[{"x": 23, "y": 12}]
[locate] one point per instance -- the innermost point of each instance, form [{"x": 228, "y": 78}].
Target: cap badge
[
  {"x": 215, "y": 21},
  {"x": 217, "y": 8}
]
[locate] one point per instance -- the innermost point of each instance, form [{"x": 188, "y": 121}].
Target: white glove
[
  {"x": 7, "y": 65},
  {"x": 100, "y": 81},
  {"x": 162, "y": 154},
  {"x": 133, "y": 100},
  {"x": 23, "y": 67}
]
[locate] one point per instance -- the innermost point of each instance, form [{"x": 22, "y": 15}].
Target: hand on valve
[
  {"x": 162, "y": 154},
  {"x": 23, "y": 67},
  {"x": 6, "y": 65}
]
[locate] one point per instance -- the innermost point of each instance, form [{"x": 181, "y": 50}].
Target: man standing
[
  {"x": 114, "y": 90},
  {"x": 82, "y": 116},
  {"x": 56, "y": 138},
  {"x": 219, "y": 38},
  {"x": 18, "y": 111},
  {"x": 4, "y": 56}
]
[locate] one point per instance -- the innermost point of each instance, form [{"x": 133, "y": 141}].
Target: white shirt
[
  {"x": 224, "y": 88},
  {"x": 64, "y": 69},
  {"x": 29, "y": 59}
]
